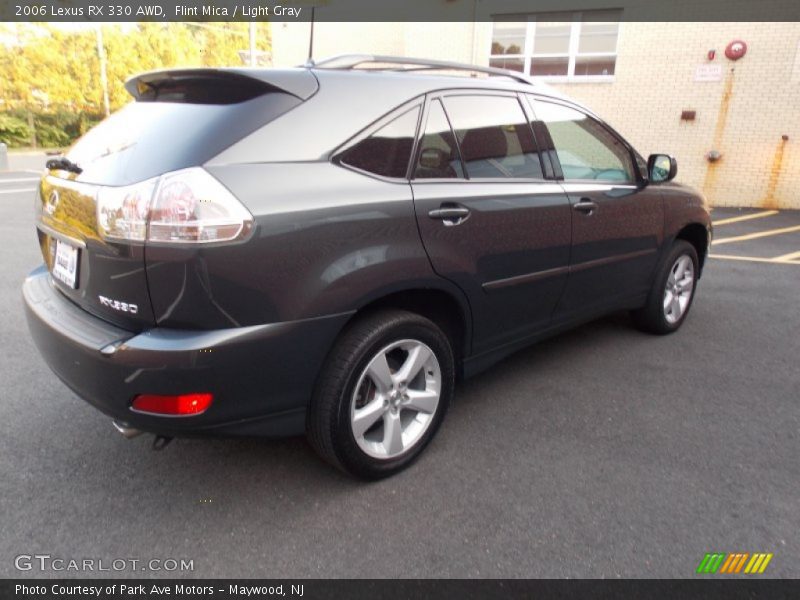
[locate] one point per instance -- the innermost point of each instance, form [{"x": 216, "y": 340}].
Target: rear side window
[
  {"x": 495, "y": 137},
  {"x": 386, "y": 152},
  {"x": 438, "y": 154},
  {"x": 585, "y": 149}
]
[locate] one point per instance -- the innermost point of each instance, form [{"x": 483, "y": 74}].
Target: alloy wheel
[
  {"x": 395, "y": 399},
  {"x": 679, "y": 288}
]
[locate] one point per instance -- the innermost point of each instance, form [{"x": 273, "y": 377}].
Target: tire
[
  {"x": 669, "y": 300},
  {"x": 358, "y": 404}
]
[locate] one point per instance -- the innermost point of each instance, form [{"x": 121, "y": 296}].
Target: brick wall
[{"x": 743, "y": 115}]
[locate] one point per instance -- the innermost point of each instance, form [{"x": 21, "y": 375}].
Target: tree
[{"x": 48, "y": 67}]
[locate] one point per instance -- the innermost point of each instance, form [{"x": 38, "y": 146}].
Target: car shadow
[{"x": 284, "y": 455}]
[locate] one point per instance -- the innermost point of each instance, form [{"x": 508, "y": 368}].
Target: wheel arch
[
  {"x": 698, "y": 236},
  {"x": 447, "y": 308}
]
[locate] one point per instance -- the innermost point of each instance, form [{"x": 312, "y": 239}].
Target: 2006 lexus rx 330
[{"x": 327, "y": 249}]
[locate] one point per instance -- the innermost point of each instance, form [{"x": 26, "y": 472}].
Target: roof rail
[{"x": 351, "y": 61}]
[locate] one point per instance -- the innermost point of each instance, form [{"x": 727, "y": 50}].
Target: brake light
[
  {"x": 181, "y": 405},
  {"x": 187, "y": 206},
  {"x": 122, "y": 211}
]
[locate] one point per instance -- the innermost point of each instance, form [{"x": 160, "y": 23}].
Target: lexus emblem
[{"x": 52, "y": 202}]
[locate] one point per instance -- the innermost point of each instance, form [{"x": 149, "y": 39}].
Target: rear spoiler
[{"x": 219, "y": 86}]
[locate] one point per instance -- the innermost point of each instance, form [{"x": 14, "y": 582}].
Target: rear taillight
[
  {"x": 122, "y": 211},
  {"x": 181, "y": 405},
  {"x": 184, "y": 207}
]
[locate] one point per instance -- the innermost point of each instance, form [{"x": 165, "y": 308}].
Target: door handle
[
  {"x": 585, "y": 206},
  {"x": 450, "y": 214}
]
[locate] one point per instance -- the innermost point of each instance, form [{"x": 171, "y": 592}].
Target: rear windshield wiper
[{"x": 64, "y": 164}]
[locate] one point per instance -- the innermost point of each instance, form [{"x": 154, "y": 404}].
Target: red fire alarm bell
[{"x": 735, "y": 50}]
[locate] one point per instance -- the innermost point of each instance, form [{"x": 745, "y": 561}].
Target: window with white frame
[{"x": 561, "y": 46}]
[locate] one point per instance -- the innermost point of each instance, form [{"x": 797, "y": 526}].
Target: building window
[{"x": 562, "y": 46}]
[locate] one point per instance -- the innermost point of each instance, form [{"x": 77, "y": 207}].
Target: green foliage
[
  {"x": 54, "y": 71},
  {"x": 53, "y": 130},
  {"x": 14, "y": 132}
]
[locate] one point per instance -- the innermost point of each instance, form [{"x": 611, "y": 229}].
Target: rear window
[
  {"x": 200, "y": 89},
  {"x": 173, "y": 128}
]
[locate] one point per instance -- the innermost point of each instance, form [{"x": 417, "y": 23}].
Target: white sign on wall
[{"x": 708, "y": 73}]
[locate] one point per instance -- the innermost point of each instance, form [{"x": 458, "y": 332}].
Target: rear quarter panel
[{"x": 326, "y": 241}]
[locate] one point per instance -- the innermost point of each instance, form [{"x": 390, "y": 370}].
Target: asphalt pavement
[{"x": 604, "y": 452}]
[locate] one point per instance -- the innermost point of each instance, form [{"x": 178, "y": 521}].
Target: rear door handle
[
  {"x": 585, "y": 206},
  {"x": 450, "y": 214}
]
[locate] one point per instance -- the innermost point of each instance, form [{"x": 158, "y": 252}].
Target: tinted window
[
  {"x": 494, "y": 136},
  {"x": 585, "y": 149},
  {"x": 438, "y": 155},
  {"x": 145, "y": 139},
  {"x": 201, "y": 89},
  {"x": 641, "y": 164},
  {"x": 387, "y": 151}
]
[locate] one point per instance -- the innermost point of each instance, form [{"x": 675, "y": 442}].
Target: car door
[
  {"x": 489, "y": 219},
  {"x": 617, "y": 222}
]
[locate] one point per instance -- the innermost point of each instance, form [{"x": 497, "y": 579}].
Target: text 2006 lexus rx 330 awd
[{"x": 327, "y": 249}]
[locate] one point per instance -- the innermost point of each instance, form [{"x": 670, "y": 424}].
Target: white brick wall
[{"x": 654, "y": 82}]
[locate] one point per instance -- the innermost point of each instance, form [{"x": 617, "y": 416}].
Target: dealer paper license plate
[{"x": 65, "y": 264}]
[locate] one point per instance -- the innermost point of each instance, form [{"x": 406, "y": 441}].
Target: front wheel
[
  {"x": 672, "y": 293},
  {"x": 382, "y": 394}
]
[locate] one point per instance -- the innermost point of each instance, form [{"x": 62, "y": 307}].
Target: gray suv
[{"x": 328, "y": 249}]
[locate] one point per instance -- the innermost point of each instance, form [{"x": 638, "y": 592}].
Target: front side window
[
  {"x": 388, "y": 150},
  {"x": 585, "y": 148},
  {"x": 495, "y": 138},
  {"x": 563, "y": 45}
]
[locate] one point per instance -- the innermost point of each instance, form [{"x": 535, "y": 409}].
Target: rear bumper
[{"x": 262, "y": 376}]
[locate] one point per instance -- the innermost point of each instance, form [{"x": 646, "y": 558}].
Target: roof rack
[{"x": 351, "y": 61}]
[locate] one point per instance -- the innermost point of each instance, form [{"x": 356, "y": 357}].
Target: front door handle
[
  {"x": 450, "y": 214},
  {"x": 585, "y": 206}
]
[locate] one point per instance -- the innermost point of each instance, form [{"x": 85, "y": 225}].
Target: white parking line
[
  {"x": 790, "y": 256},
  {"x": 756, "y": 235},
  {"x": 774, "y": 261},
  {"x": 19, "y": 180},
  {"x": 17, "y": 191},
  {"x": 767, "y": 213}
]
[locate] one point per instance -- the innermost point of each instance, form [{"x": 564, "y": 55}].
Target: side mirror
[
  {"x": 661, "y": 168},
  {"x": 433, "y": 158}
]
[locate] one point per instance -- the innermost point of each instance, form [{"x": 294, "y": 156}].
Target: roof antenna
[{"x": 310, "y": 61}]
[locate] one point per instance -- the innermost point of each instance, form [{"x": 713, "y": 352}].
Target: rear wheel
[
  {"x": 382, "y": 394},
  {"x": 672, "y": 293}
]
